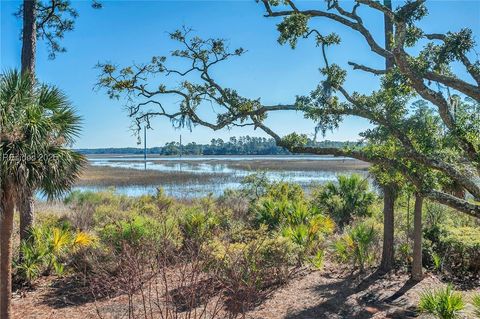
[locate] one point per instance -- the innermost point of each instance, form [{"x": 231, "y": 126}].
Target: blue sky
[{"x": 133, "y": 31}]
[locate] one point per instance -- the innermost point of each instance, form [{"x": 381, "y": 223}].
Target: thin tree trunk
[
  {"x": 417, "y": 239},
  {"x": 26, "y": 206},
  {"x": 29, "y": 37},
  {"x": 388, "y": 229},
  {"x": 6, "y": 230},
  {"x": 388, "y": 191},
  {"x": 388, "y": 29},
  {"x": 29, "y": 43}
]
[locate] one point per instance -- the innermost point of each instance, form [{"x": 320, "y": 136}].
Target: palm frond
[{"x": 37, "y": 123}]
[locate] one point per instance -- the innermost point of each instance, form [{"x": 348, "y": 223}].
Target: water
[
  {"x": 192, "y": 158},
  {"x": 224, "y": 173},
  {"x": 192, "y": 190}
]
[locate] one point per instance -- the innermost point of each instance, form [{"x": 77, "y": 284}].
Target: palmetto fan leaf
[
  {"x": 65, "y": 122},
  {"x": 37, "y": 123},
  {"x": 63, "y": 167}
]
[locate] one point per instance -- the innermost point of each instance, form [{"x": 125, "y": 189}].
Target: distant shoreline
[
  {"x": 235, "y": 146},
  {"x": 157, "y": 156}
]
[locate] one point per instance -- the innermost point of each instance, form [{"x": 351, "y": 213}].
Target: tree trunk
[
  {"x": 29, "y": 37},
  {"x": 417, "y": 239},
  {"x": 29, "y": 43},
  {"x": 29, "y": 48},
  {"x": 26, "y": 206},
  {"x": 388, "y": 29},
  {"x": 388, "y": 229},
  {"x": 388, "y": 191},
  {"x": 6, "y": 230}
]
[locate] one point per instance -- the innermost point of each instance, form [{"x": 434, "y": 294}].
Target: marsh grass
[
  {"x": 114, "y": 176},
  {"x": 280, "y": 165}
]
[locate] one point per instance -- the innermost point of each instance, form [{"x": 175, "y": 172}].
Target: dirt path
[{"x": 321, "y": 294}]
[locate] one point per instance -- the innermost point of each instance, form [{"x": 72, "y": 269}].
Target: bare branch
[{"x": 357, "y": 66}]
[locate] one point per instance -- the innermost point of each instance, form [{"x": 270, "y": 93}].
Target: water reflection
[{"x": 229, "y": 174}]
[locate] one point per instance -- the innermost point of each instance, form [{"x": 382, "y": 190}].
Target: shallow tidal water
[{"x": 223, "y": 174}]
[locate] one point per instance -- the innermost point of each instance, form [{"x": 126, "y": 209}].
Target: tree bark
[
  {"x": 6, "y": 230},
  {"x": 26, "y": 206},
  {"x": 417, "y": 273},
  {"x": 388, "y": 29},
  {"x": 29, "y": 37},
  {"x": 388, "y": 255},
  {"x": 29, "y": 48}
]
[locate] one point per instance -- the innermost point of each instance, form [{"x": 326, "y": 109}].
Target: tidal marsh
[{"x": 190, "y": 177}]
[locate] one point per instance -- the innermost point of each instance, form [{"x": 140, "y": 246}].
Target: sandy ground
[{"x": 320, "y": 294}]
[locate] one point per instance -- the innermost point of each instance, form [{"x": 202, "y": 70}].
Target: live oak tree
[
  {"x": 427, "y": 133},
  {"x": 428, "y": 75},
  {"x": 46, "y": 20},
  {"x": 390, "y": 188},
  {"x": 438, "y": 57},
  {"x": 420, "y": 74}
]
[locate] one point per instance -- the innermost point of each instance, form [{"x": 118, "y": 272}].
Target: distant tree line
[{"x": 243, "y": 145}]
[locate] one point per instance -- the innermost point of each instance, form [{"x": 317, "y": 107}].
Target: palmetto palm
[
  {"x": 37, "y": 123},
  {"x": 350, "y": 197}
]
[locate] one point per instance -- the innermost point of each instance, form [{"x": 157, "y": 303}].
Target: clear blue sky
[{"x": 132, "y": 31}]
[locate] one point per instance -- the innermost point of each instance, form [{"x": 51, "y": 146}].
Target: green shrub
[
  {"x": 358, "y": 245},
  {"x": 437, "y": 262},
  {"x": 442, "y": 303},
  {"x": 146, "y": 205},
  {"x": 309, "y": 237},
  {"x": 108, "y": 196},
  {"x": 285, "y": 191},
  {"x": 270, "y": 212},
  {"x": 237, "y": 203},
  {"x": 50, "y": 220},
  {"x": 105, "y": 214},
  {"x": 96, "y": 208},
  {"x": 404, "y": 253},
  {"x": 258, "y": 254},
  {"x": 139, "y": 231},
  {"x": 461, "y": 247},
  {"x": 49, "y": 249},
  {"x": 162, "y": 201},
  {"x": 152, "y": 205},
  {"x": 79, "y": 198},
  {"x": 247, "y": 269},
  {"x": 350, "y": 197},
  {"x": 318, "y": 259},
  {"x": 277, "y": 212},
  {"x": 31, "y": 264},
  {"x": 255, "y": 185},
  {"x": 198, "y": 226},
  {"x": 438, "y": 215},
  {"x": 476, "y": 305},
  {"x": 285, "y": 208},
  {"x": 435, "y": 215}
]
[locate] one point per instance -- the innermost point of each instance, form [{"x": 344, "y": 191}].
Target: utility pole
[
  {"x": 181, "y": 146},
  {"x": 145, "y": 146}
]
